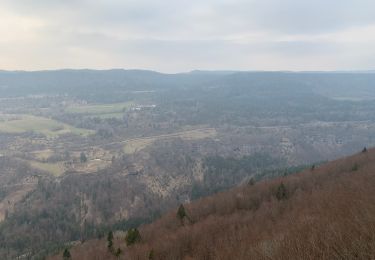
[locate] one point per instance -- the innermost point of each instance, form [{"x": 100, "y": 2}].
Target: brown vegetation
[{"x": 327, "y": 213}]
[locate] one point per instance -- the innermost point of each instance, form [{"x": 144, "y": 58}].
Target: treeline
[{"x": 224, "y": 172}]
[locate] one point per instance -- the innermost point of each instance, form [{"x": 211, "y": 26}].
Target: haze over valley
[
  {"x": 85, "y": 151},
  {"x": 216, "y": 129}
]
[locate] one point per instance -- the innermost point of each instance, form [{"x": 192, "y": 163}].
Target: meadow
[
  {"x": 101, "y": 110},
  {"x": 133, "y": 145},
  {"x": 17, "y": 124}
]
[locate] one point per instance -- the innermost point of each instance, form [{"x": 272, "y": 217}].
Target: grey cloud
[
  {"x": 290, "y": 16},
  {"x": 179, "y": 35},
  {"x": 300, "y": 16}
]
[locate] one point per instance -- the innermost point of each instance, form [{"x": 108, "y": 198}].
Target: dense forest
[
  {"x": 183, "y": 130},
  {"x": 324, "y": 212},
  {"x": 83, "y": 152}
]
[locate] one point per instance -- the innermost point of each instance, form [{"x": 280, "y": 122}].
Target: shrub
[
  {"x": 66, "y": 254},
  {"x": 281, "y": 193},
  {"x": 355, "y": 167},
  {"x": 181, "y": 213},
  {"x": 83, "y": 157},
  {"x": 118, "y": 252},
  {"x": 132, "y": 236},
  {"x": 110, "y": 240},
  {"x": 151, "y": 255}
]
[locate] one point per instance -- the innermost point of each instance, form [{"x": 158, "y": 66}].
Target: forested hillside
[
  {"x": 83, "y": 152},
  {"x": 168, "y": 130},
  {"x": 324, "y": 212}
]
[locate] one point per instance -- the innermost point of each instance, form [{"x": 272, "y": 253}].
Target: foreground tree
[
  {"x": 118, "y": 252},
  {"x": 83, "y": 157},
  {"x": 66, "y": 254},
  {"x": 181, "y": 213},
  {"x": 151, "y": 255},
  {"x": 281, "y": 193},
  {"x": 132, "y": 236},
  {"x": 110, "y": 241}
]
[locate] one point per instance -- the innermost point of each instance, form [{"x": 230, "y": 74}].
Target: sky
[{"x": 177, "y": 35}]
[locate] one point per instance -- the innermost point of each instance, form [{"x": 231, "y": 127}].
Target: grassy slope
[
  {"x": 140, "y": 143},
  {"x": 99, "y": 109},
  {"x": 54, "y": 168},
  {"x": 46, "y": 126},
  {"x": 327, "y": 213}
]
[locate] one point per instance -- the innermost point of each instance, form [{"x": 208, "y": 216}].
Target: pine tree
[
  {"x": 251, "y": 182},
  {"x": 151, "y": 255},
  {"x": 132, "y": 236},
  {"x": 66, "y": 254},
  {"x": 110, "y": 240},
  {"x": 83, "y": 157},
  {"x": 281, "y": 192},
  {"x": 355, "y": 167},
  {"x": 118, "y": 252},
  {"x": 181, "y": 213}
]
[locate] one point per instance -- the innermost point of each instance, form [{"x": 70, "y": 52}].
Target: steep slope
[{"x": 326, "y": 212}]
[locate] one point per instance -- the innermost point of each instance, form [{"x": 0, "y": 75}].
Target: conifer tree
[
  {"x": 66, "y": 254},
  {"x": 181, "y": 213},
  {"x": 251, "y": 182},
  {"x": 83, "y": 157},
  {"x": 151, "y": 255},
  {"x": 110, "y": 240},
  {"x": 281, "y": 192},
  {"x": 132, "y": 236},
  {"x": 118, "y": 252}
]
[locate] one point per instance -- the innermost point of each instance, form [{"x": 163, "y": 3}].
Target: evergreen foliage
[
  {"x": 132, "y": 236},
  {"x": 355, "y": 167},
  {"x": 66, "y": 254},
  {"x": 83, "y": 157},
  {"x": 281, "y": 193},
  {"x": 181, "y": 213},
  {"x": 110, "y": 240},
  {"x": 151, "y": 255},
  {"x": 251, "y": 182},
  {"x": 118, "y": 252}
]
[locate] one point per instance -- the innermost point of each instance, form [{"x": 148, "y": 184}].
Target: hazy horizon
[
  {"x": 193, "y": 70},
  {"x": 170, "y": 37}
]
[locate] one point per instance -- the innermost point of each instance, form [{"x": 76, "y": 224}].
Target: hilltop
[{"x": 326, "y": 212}]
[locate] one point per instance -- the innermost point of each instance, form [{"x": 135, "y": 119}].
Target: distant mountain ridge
[{"x": 80, "y": 83}]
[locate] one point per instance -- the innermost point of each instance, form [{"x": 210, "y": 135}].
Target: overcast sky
[{"x": 178, "y": 35}]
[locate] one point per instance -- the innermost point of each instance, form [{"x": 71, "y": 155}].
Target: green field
[
  {"x": 100, "y": 110},
  {"x": 54, "y": 168},
  {"x": 110, "y": 115},
  {"x": 29, "y": 123}
]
